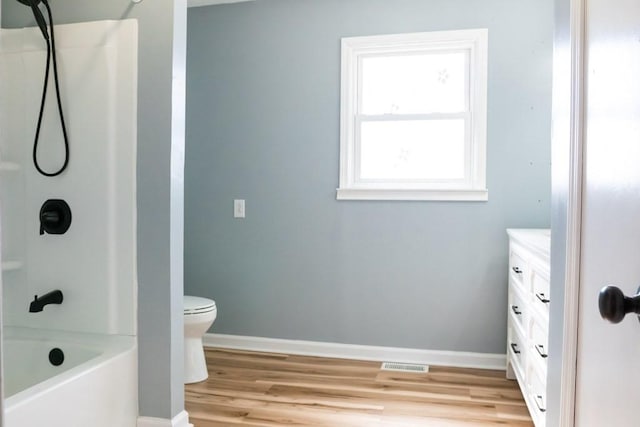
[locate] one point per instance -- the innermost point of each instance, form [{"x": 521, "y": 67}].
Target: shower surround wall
[
  {"x": 93, "y": 264},
  {"x": 161, "y": 62}
]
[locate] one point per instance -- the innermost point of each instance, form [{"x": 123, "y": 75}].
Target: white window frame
[{"x": 473, "y": 187}]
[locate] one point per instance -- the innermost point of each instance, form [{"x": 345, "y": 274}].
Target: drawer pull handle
[
  {"x": 539, "y": 404},
  {"x": 514, "y": 347},
  {"x": 517, "y": 270},
  {"x": 540, "y": 350},
  {"x": 515, "y": 309},
  {"x": 542, "y": 298}
]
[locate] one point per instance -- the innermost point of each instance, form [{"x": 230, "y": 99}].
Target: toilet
[{"x": 199, "y": 314}]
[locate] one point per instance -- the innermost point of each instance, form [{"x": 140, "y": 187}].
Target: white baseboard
[
  {"x": 198, "y": 3},
  {"x": 180, "y": 420},
  {"x": 358, "y": 352}
]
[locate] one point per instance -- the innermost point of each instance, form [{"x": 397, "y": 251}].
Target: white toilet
[{"x": 199, "y": 314}]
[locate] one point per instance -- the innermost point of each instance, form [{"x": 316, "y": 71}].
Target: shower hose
[{"x": 51, "y": 54}]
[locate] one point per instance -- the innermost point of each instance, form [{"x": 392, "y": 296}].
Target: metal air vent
[{"x": 405, "y": 367}]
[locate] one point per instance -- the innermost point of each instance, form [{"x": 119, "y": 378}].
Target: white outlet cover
[{"x": 239, "y": 208}]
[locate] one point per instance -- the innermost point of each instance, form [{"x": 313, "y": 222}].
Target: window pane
[
  {"x": 412, "y": 150},
  {"x": 415, "y": 83}
]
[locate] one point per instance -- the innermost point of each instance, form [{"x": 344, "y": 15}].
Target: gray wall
[
  {"x": 263, "y": 125},
  {"x": 162, "y": 30}
]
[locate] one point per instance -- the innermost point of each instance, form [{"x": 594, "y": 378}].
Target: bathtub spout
[{"x": 53, "y": 297}]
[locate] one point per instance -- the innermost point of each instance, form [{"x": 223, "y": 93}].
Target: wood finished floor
[{"x": 260, "y": 389}]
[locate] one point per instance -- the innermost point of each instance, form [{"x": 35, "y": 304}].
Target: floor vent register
[{"x": 405, "y": 367}]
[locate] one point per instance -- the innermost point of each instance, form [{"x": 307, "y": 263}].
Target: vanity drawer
[
  {"x": 518, "y": 308},
  {"x": 517, "y": 349},
  {"x": 539, "y": 344},
  {"x": 517, "y": 267},
  {"x": 537, "y": 397},
  {"x": 540, "y": 286}
]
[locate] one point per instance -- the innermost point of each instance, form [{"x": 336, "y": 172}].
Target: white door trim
[{"x": 574, "y": 214}]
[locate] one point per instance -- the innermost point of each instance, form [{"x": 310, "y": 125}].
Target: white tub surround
[
  {"x": 96, "y": 385},
  {"x": 97, "y": 64},
  {"x": 94, "y": 263}
]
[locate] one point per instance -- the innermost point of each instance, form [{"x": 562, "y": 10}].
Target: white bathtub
[{"x": 95, "y": 386}]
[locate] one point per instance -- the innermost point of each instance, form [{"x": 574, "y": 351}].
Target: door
[{"x": 608, "y": 371}]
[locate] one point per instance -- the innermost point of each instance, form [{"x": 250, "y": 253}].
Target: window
[{"x": 413, "y": 117}]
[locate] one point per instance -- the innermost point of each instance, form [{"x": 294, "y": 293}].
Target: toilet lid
[{"x": 194, "y": 305}]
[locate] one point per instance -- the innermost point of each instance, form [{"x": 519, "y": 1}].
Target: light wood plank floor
[{"x": 260, "y": 389}]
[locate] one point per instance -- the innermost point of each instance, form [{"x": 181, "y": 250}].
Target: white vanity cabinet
[{"x": 528, "y": 318}]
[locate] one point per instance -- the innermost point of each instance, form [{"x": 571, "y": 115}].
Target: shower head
[{"x": 33, "y": 4}]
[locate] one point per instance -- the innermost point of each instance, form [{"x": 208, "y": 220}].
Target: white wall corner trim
[
  {"x": 358, "y": 352},
  {"x": 180, "y": 420},
  {"x": 198, "y": 3}
]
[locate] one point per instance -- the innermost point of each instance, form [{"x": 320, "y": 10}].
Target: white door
[{"x": 608, "y": 376}]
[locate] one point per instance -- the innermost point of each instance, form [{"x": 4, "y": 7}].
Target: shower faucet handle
[
  {"x": 49, "y": 218},
  {"x": 55, "y": 217}
]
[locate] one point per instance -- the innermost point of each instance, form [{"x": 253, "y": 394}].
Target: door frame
[
  {"x": 1, "y": 318},
  {"x": 567, "y": 182}
]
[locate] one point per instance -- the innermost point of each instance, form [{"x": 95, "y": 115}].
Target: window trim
[{"x": 353, "y": 49}]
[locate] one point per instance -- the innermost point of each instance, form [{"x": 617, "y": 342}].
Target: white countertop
[{"x": 538, "y": 239}]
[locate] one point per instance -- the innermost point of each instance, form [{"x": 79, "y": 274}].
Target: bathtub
[{"x": 95, "y": 385}]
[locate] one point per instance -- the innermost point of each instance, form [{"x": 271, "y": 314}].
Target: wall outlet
[{"x": 238, "y": 209}]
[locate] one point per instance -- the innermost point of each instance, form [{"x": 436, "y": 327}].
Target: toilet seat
[{"x": 198, "y": 305}]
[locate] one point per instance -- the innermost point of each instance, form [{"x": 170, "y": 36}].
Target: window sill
[{"x": 405, "y": 194}]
